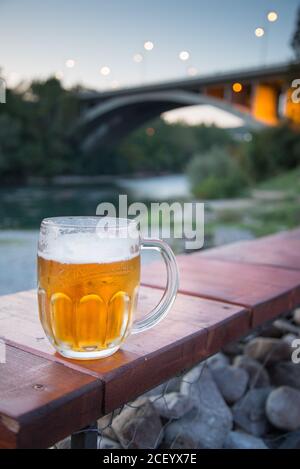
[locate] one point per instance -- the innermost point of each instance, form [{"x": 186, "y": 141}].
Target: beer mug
[{"x": 88, "y": 281}]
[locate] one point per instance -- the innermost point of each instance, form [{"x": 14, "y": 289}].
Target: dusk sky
[{"x": 37, "y": 37}]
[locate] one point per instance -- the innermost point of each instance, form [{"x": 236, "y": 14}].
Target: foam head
[{"x": 86, "y": 244}]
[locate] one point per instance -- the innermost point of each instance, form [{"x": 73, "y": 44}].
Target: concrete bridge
[{"x": 260, "y": 96}]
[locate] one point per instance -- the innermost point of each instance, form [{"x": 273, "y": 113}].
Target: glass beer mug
[{"x": 88, "y": 280}]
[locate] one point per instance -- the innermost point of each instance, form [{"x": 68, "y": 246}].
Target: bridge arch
[{"x": 108, "y": 122}]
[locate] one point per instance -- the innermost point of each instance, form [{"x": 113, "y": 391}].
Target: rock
[
  {"x": 217, "y": 360},
  {"x": 181, "y": 434},
  {"x": 285, "y": 374},
  {"x": 172, "y": 405},
  {"x": 138, "y": 426},
  {"x": 241, "y": 440},
  {"x": 107, "y": 443},
  {"x": 271, "y": 331},
  {"x": 233, "y": 348},
  {"x": 283, "y": 408},
  {"x": 268, "y": 350},
  {"x": 296, "y": 316},
  {"x": 289, "y": 338},
  {"x": 258, "y": 376},
  {"x": 208, "y": 423},
  {"x": 105, "y": 427},
  {"x": 191, "y": 378},
  {"x": 286, "y": 326},
  {"x": 172, "y": 385},
  {"x": 249, "y": 412},
  {"x": 64, "y": 444},
  {"x": 231, "y": 381},
  {"x": 291, "y": 441}
]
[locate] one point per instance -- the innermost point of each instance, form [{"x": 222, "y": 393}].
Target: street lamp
[
  {"x": 115, "y": 85},
  {"x": 237, "y": 87},
  {"x": 59, "y": 75},
  {"x": 192, "y": 71},
  {"x": 148, "y": 45},
  {"x": 259, "y": 32},
  {"x": 272, "y": 16},
  {"x": 184, "y": 55},
  {"x": 105, "y": 71},
  {"x": 138, "y": 58},
  {"x": 70, "y": 63}
]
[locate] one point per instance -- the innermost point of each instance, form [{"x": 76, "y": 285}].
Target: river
[{"x": 23, "y": 208}]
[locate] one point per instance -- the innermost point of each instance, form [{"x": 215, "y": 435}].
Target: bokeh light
[
  {"x": 59, "y": 75},
  {"x": 70, "y": 63},
  {"x": 150, "y": 131},
  {"x": 192, "y": 71},
  {"x": 259, "y": 32},
  {"x": 115, "y": 85},
  {"x": 184, "y": 55},
  {"x": 237, "y": 87},
  {"x": 148, "y": 45},
  {"x": 272, "y": 16},
  {"x": 105, "y": 70},
  {"x": 138, "y": 58}
]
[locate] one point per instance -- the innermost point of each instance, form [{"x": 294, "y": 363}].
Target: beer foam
[{"x": 88, "y": 248}]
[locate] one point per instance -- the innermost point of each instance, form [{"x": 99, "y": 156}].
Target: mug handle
[{"x": 161, "y": 310}]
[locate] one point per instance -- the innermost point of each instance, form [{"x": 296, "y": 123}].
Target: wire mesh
[{"x": 149, "y": 421}]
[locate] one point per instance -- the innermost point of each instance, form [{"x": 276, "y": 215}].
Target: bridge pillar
[
  {"x": 291, "y": 108},
  {"x": 264, "y": 103}
]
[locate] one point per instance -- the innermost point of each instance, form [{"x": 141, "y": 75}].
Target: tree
[{"x": 295, "y": 43}]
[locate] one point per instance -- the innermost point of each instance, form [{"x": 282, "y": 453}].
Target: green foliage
[
  {"x": 295, "y": 42},
  {"x": 168, "y": 150},
  {"x": 34, "y": 142},
  {"x": 288, "y": 181},
  {"x": 33, "y": 125},
  {"x": 216, "y": 174},
  {"x": 271, "y": 152}
]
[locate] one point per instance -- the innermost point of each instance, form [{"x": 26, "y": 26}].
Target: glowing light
[
  {"x": 59, "y": 75},
  {"x": 192, "y": 71},
  {"x": 259, "y": 32},
  {"x": 138, "y": 58},
  {"x": 12, "y": 79},
  {"x": 272, "y": 16},
  {"x": 70, "y": 63},
  {"x": 105, "y": 70},
  {"x": 150, "y": 131},
  {"x": 148, "y": 45},
  {"x": 184, "y": 55},
  {"x": 237, "y": 87},
  {"x": 115, "y": 84}
]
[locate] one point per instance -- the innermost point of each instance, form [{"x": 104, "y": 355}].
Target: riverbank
[{"x": 273, "y": 206}]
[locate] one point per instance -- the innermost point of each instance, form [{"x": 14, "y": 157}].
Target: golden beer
[
  {"x": 88, "y": 280},
  {"x": 87, "y": 307}
]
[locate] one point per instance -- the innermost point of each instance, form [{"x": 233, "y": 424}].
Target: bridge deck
[{"x": 224, "y": 294}]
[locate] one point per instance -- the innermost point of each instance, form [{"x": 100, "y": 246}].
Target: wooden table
[{"x": 224, "y": 293}]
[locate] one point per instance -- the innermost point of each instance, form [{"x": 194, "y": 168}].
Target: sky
[{"x": 37, "y": 37}]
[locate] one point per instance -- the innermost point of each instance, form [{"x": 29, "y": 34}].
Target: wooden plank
[
  {"x": 194, "y": 329},
  {"x": 220, "y": 301},
  {"x": 267, "y": 291},
  {"x": 42, "y": 402},
  {"x": 278, "y": 251}
]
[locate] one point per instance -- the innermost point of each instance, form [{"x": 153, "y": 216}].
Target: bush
[
  {"x": 271, "y": 151},
  {"x": 215, "y": 174}
]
